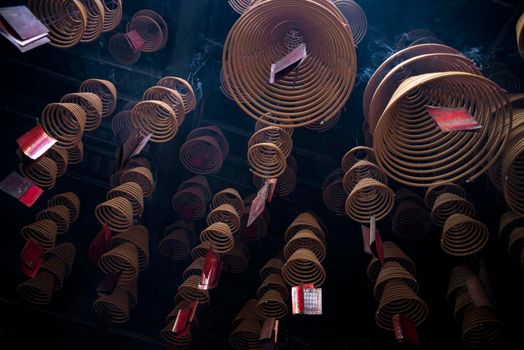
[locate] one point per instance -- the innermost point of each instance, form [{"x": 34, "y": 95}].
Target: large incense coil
[
  {"x": 56, "y": 267},
  {"x": 516, "y": 243},
  {"x": 70, "y": 200},
  {"x": 59, "y": 214},
  {"x": 462, "y": 235},
  {"x": 76, "y": 153},
  {"x": 266, "y": 160},
  {"x": 200, "y": 250},
  {"x": 140, "y": 175},
  {"x": 105, "y": 90},
  {"x": 481, "y": 327},
  {"x": 226, "y": 214},
  {"x": 411, "y": 148},
  {"x": 392, "y": 270},
  {"x": 355, "y": 155},
  {"x": 229, "y": 196},
  {"x": 122, "y": 50},
  {"x": 462, "y": 301},
  {"x": 219, "y": 236},
  {"x": 61, "y": 158},
  {"x": 64, "y": 122},
  {"x": 448, "y": 204},
  {"x": 411, "y": 220},
  {"x": 66, "y": 252},
  {"x": 304, "y": 221},
  {"x": 333, "y": 194},
  {"x": 116, "y": 214},
  {"x": 509, "y": 221},
  {"x": 214, "y": 132},
  {"x": 42, "y": 172},
  {"x": 90, "y": 103},
  {"x": 66, "y": 20},
  {"x": 273, "y": 282},
  {"x": 308, "y": 240},
  {"x": 275, "y": 135},
  {"x": 369, "y": 197},
  {"x": 272, "y": 305},
  {"x": 169, "y": 96},
  {"x": 391, "y": 253},
  {"x": 361, "y": 170},
  {"x": 398, "y": 298},
  {"x": 112, "y": 14},
  {"x": 189, "y": 290},
  {"x": 132, "y": 192},
  {"x": 248, "y": 311},
  {"x": 273, "y": 266},
  {"x": 433, "y": 192},
  {"x": 175, "y": 246},
  {"x": 181, "y": 342},
  {"x": 307, "y": 95},
  {"x": 115, "y": 305},
  {"x": 303, "y": 267},
  {"x": 123, "y": 258},
  {"x": 202, "y": 155},
  {"x": 355, "y": 17},
  {"x": 183, "y": 88},
  {"x": 200, "y": 182},
  {"x": 156, "y": 118},
  {"x": 38, "y": 290},
  {"x": 195, "y": 269},
  {"x": 458, "y": 278},
  {"x": 121, "y": 122},
  {"x": 240, "y": 6},
  {"x": 236, "y": 260},
  {"x": 95, "y": 20},
  {"x": 151, "y": 29},
  {"x": 246, "y": 335},
  {"x": 520, "y": 35},
  {"x": 139, "y": 236},
  {"x": 42, "y": 232},
  {"x": 190, "y": 199},
  {"x": 513, "y": 173}
]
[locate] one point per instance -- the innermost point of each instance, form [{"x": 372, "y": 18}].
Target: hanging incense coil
[
  {"x": 220, "y": 237},
  {"x": 181, "y": 342},
  {"x": 356, "y": 154},
  {"x": 189, "y": 290},
  {"x": 115, "y": 305},
  {"x": 303, "y": 267},
  {"x": 159, "y": 20},
  {"x": 248, "y": 312},
  {"x": 276, "y": 283},
  {"x": 123, "y": 258},
  {"x": 42, "y": 232},
  {"x": 169, "y": 96},
  {"x": 94, "y": 20},
  {"x": 308, "y": 240},
  {"x": 70, "y": 200},
  {"x": 304, "y": 221},
  {"x": 121, "y": 122},
  {"x": 509, "y": 221},
  {"x": 240, "y": 6},
  {"x": 392, "y": 270},
  {"x": 122, "y": 50},
  {"x": 214, "y": 132},
  {"x": 200, "y": 250},
  {"x": 462, "y": 301},
  {"x": 268, "y": 150},
  {"x": 361, "y": 170},
  {"x": 202, "y": 155},
  {"x": 59, "y": 214},
  {"x": 190, "y": 203},
  {"x": 76, "y": 153},
  {"x": 411, "y": 220},
  {"x": 116, "y": 214},
  {"x": 448, "y": 204},
  {"x": 56, "y": 267},
  {"x": 355, "y": 17},
  {"x": 246, "y": 335},
  {"x": 64, "y": 122},
  {"x": 458, "y": 278},
  {"x": 398, "y": 298},
  {"x": 156, "y": 118},
  {"x": 391, "y": 253},
  {"x": 66, "y": 20},
  {"x": 520, "y": 35},
  {"x": 42, "y": 172},
  {"x": 151, "y": 29},
  {"x": 175, "y": 246},
  {"x": 274, "y": 135},
  {"x": 229, "y": 196},
  {"x": 481, "y": 327},
  {"x": 271, "y": 304},
  {"x": 140, "y": 175},
  {"x": 195, "y": 269},
  {"x": 90, "y": 103},
  {"x": 112, "y": 14},
  {"x": 105, "y": 90},
  {"x": 433, "y": 192},
  {"x": 66, "y": 252},
  {"x": 131, "y": 290},
  {"x": 236, "y": 260},
  {"x": 273, "y": 266},
  {"x": 462, "y": 235},
  {"x": 61, "y": 158},
  {"x": 199, "y": 182},
  {"x": 513, "y": 173},
  {"x": 516, "y": 243},
  {"x": 185, "y": 226},
  {"x": 139, "y": 236},
  {"x": 226, "y": 214},
  {"x": 369, "y": 197},
  {"x": 132, "y": 192},
  {"x": 333, "y": 194},
  {"x": 183, "y": 88},
  {"x": 38, "y": 290}
]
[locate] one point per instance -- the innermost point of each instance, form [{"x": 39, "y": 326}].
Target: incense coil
[
  {"x": 516, "y": 243},
  {"x": 508, "y": 221},
  {"x": 462, "y": 235},
  {"x": 520, "y": 35},
  {"x": 105, "y": 90},
  {"x": 116, "y": 214},
  {"x": 220, "y": 237},
  {"x": 246, "y": 335},
  {"x": 185, "y": 226},
  {"x": 64, "y": 122},
  {"x": 95, "y": 20},
  {"x": 308, "y": 94},
  {"x": 266, "y": 160},
  {"x": 38, "y": 290},
  {"x": 248, "y": 312},
  {"x": 425, "y": 150},
  {"x": 398, "y": 298},
  {"x": 200, "y": 250},
  {"x": 411, "y": 220},
  {"x": 433, "y": 192},
  {"x": 115, "y": 305},
  {"x": 355, "y": 155},
  {"x": 122, "y": 50},
  {"x": 59, "y": 214},
  {"x": 121, "y": 122},
  {"x": 273, "y": 266},
  {"x": 70, "y": 200},
  {"x": 392, "y": 270},
  {"x": 236, "y": 260},
  {"x": 226, "y": 214},
  {"x": 275, "y": 135},
  {"x": 276, "y": 283},
  {"x": 180, "y": 342},
  {"x": 513, "y": 173},
  {"x": 229, "y": 196},
  {"x": 323, "y": 126},
  {"x": 139, "y": 236},
  {"x": 481, "y": 327},
  {"x": 369, "y": 197},
  {"x": 190, "y": 199},
  {"x": 183, "y": 88},
  {"x": 56, "y": 267},
  {"x": 189, "y": 290},
  {"x": 195, "y": 269},
  {"x": 66, "y": 20},
  {"x": 112, "y": 15},
  {"x": 66, "y": 252},
  {"x": 159, "y": 20},
  {"x": 156, "y": 118},
  {"x": 140, "y": 175},
  {"x": 303, "y": 267},
  {"x": 448, "y": 204},
  {"x": 240, "y": 6},
  {"x": 90, "y": 103},
  {"x": 462, "y": 301},
  {"x": 361, "y": 170},
  {"x": 115, "y": 179},
  {"x": 202, "y": 155},
  {"x": 132, "y": 192},
  {"x": 391, "y": 253},
  {"x": 199, "y": 182},
  {"x": 175, "y": 246},
  {"x": 42, "y": 172},
  {"x": 458, "y": 278},
  {"x": 123, "y": 258},
  {"x": 149, "y": 30},
  {"x": 304, "y": 221},
  {"x": 286, "y": 182},
  {"x": 214, "y": 132},
  {"x": 132, "y": 292},
  {"x": 61, "y": 158},
  {"x": 76, "y": 153},
  {"x": 355, "y": 17},
  {"x": 42, "y": 232},
  {"x": 271, "y": 305},
  {"x": 169, "y": 96},
  {"x": 308, "y": 240}
]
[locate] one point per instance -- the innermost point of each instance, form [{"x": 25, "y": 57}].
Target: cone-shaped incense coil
[
  {"x": 411, "y": 220},
  {"x": 226, "y": 214},
  {"x": 220, "y": 237},
  {"x": 132, "y": 292},
  {"x": 65, "y": 251},
  {"x": 355, "y": 17},
  {"x": 56, "y": 267},
  {"x": 246, "y": 335},
  {"x": 95, "y": 20},
  {"x": 201, "y": 183},
  {"x": 202, "y": 155},
  {"x": 76, "y": 153},
  {"x": 61, "y": 158},
  {"x": 169, "y": 337},
  {"x": 200, "y": 250},
  {"x": 195, "y": 268},
  {"x": 391, "y": 253},
  {"x": 392, "y": 270},
  {"x": 121, "y": 122},
  {"x": 355, "y": 155},
  {"x": 305, "y": 239},
  {"x": 139, "y": 236},
  {"x": 481, "y": 327},
  {"x": 273, "y": 266},
  {"x": 508, "y": 221},
  {"x": 462, "y": 301},
  {"x": 513, "y": 173},
  {"x": 142, "y": 176},
  {"x": 369, "y": 197},
  {"x": 105, "y": 90},
  {"x": 434, "y": 191},
  {"x": 169, "y": 96},
  {"x": 131, "y": 191},
  {"x": 116, "y": 214},
  {"x": 42, "y": 172},
  {"x": 271, "y": 304},
  {"x": 462, "y": 235},
  {"x": 516, "y": 243},
  {"x": 150, "y": 27},
  {"x": 112, "y": 14},
  {"x": 38, "y": 290},
  {"x": 266, "y": 160},
  {"x": 183, "y": 88},
  {"x": 236, "y": 260},
  {"x": 248, "y": 311},
  {"x": 115, "y": 305},
  {"x": 361, "y": 170},
  {"x": 333, "y": 194},
  {"x": 458, "y": 278},
  {"x": 42, "y": 232},
  {"x": 305, "y": 221},
  {"x": 303, "y": 267},
  {"x": 274, "y": 282},
  {"x": 275, "y": 135},
  {"x": 229, "y": 196},
  {"x": 70, "y": 200},
  {"x": 123, "y": 258},
  {"x": 91, "y": 104},
  {"x": 156, "y": 118},
  {"x": 448, "y": 204},
  {"x": 175, "y": 245},
  {"x": 190, "y": 203},
  {"x": 59, "y": 214},
  {"x": 188, "y": 290}
]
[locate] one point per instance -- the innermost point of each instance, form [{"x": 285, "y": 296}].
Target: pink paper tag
[
  {"x": 35, "y": 142},
  {"x": 32, "y": 258},
  {"x": 405, "y": 330},
  {"x": 288, "y": 63},
  {"x": 272, "y": 186},
  {"x": 453, "y": 119},
  {"x": 210, "y": 272},
  {"x": 31, "y": 196},
  {"x": 258, "y": 205},
  {"x": 99, "y": 245},
  {"x": 135, "y": 40},
  {"x": 366, "y": 239}
]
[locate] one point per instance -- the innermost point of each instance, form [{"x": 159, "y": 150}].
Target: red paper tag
[
  {"x": 135, "y": 40},
  {"x": 272, "y": 183},
  {"x": 476, "y": 291},
  {"x": 21, "y": 188},
  {"x": 287, "y": 64},
  {"x": 210, "y": 272},
  {"x": 184, "y": 318},
  {"x": 108, "y": 284},
  {"x": 35, "y": 142},
  {"x": 405, "y": 330},
  {"x": 198, "y": 162},
  {"x": 187, "y": 213},
  {"x": 32, "y": 257},
  {"x": 453, "y": 119},
  {"x": 30, "y": 197},
  {"x": 269, "y": 334},
  {"x": 99, "y": 245},
  {"x": 258, "y": 204},
  {"x": 297, "y": 300}
]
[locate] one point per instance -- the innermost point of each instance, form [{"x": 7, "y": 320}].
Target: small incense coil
[
  {"x": 513, "y": 173},
  {"x": 42, "y": 232},
  {"x": 186, "y": 226},
  {"x": 121, "y": 49},
  {"x": 271, "y": 304},
  {"x": 229, "y": 196},
  {"x": 391, "y": 253},
  {"x": 123, "y": 258},
  {"x": 433, "y": 192},
  {"x": 115, "y": 305},
  {"x": 180, "y": 342},
  {"x": 462, "y": 301},
  {"x": 392, "y": 270},
  {"x": 308, "y": 240},
  {"x": 481, "y": 327},
  {"x": 266, "y": 160},
  {"x": 169, "y": 96},
  {"x": 70, "y": 200},
  {"x": 369, "y": 197},
  {"x": 175, "y": 246},
  {"x": 275, "y": 135},
  {"x": 276, "y": 283},
  {"x": 156, "y": 118},
  {"x": 248, "y": 311},
  {"x": 121, "y": 122},
  {"x": 202, "y": 155},
  {"x": 240, "y": 6},
  {"x": 105, "y": 90},
  {"x": 303, "y": 267},
  {"x": 66, "y": 20},
  {"x": 112, "y": 15},
  {"x": 333, "y": 194},
  {"x": 200, "y": 182},
  {"x": 355, "y": 17},
  {"x": 362, "y": 170},
  {"x": 42, "y": 172},
  {"x": 356, "y": 154},
  {"x": 159, "y": 20},
  {"x": 304, "y": 221},
  {"x": 139, "y": 236},
  {"x": 76, "y": 153},
  {"x": 214, "y": 132},
  {"x": 200, "y": 250},
  {"x": 189, "y": 290},
  {"x": 116, "y": 214},
  {"x": 508, "y": 221},
  {"x": 273, "y": 266},
  {"x": 183, "y": 88},
  {"x": 447, "y": 204},
  {"x": 398, "y": 298},
  {"x": 236, "y": 260},
  {"x": 411, "y": 220},
  {"x": 458, "y": 278},
  {"x": 61, "y": 158},
  {"x": 190, "y": 199},
  {"x": 462, "y": 235},
  {"x": 323, "y": 126},
  {"x": 65, "y": 251},
  {"x": 38, "y": 290},
  {"x": 516, "y": 243},
  {"x": 519, "y": 27},
  {"x": 64, "y": 122},
  {"x": 195, "y": 269},
  {"x": 95, "y": 20},
  {"x": 286, "y": 182},
  {"x": 246, "y": 335},
  {"x": 140, "y": 175},
  {"x": 90, "y": 103},
  {"x": 226, "y": 214},
  {"x": 149, "y": 29},
  {"x": 56, "y": 267},
  {"x": 132, "y": 192},
  {"x": 59, "y": 214},
  {"x": 220, "y": 237}
]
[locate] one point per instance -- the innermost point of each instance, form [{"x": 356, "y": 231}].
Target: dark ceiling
[{"x": 482, "y": 29}]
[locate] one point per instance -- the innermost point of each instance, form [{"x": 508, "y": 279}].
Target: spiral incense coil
[
  {"x": 190, "y": 198},
  {"x": 64, "y": 122},
  {"x": 38, "y": 290},
  {"x": 94, "y": 20},
  {"x": 248, "y": 312},
  {"x": 66, "y": 252},
  {"x": 513, "y": 173},
  {"x": 411, "y": 220},
  {"x": 355, "y": 17},
  {"x": 59, "y": 214},
  {"x": 140, "y": 175},
  {"x": 90, "y": 103},
  {"x": 61, "y": 158},
  {"x": 105, "y": 90},
  {"x": 112, "y": 14},
  {"x": 66, "y": 20},
  {"x": 139, "y": 236},
  {"x": 183, "y": 88},
  {"x": 156, "y": 118},
  {"x": 175, "y": 246},
  {"x": 246, "y": 335},
  {"x": 266, "y": 160},
  {"x": 159, "y": 20},
  {"x": 180, "y": 342},
  {"x": 116, "y": 214},
  {"x": 149, "y": 29},
  {"x": 304, "y": 221},
  {"x": 195, "y": 269},
  {"x": 462, "y": 235},
  {"x": 115, "y": 305},
  {"x": 202, "y": 155},
  {"x": 433, "y": 192},
  {"x": 308, "y": 240},
  {"x": 398, "y": 298},
  {"x": 271, "y": 304},
  {"x": 42, "y": 232},
  {"x": 189, "y": 290},
  {"x": 392, "y": 270},
  {"x": 200, "y": 250},
  {"x": 185, "y": 226},
  {"x": 323, "y": 126},
  {"x": 307, "y": 95},
  {"x": 76, "y": 153},
  {"x": 121, "y": 49},
  {"x": 286, "y": 182},
  {"x": 276, "y": 283},
  {"x": 516, "y": 243},
  {"x": 236, "y": 260},
  {"x": 275, "y": 135},
  {"x": 132, "y": 292},
  {"x": 229, "y": 196},
  {"x": 355, "y": 155},
  {"x": 273, "y": 266},
  {"x": 509, "y": 221},
  {"x": 56, "y": 267},
  {"x": 361, "y": 170},
  {"x": 199, "y": 182},
  {"x": 369, "y": 197},
  {"x": 169, "y": 96},
  {"x": 240, "y": 6},
  {"x": 458, "y": 278},
  {"x": 391, "y": 253},
  {"x": 520, "y": 35},
  {"x": 448, "y": 204},
  {"x": 220, "y": 237},
  {"x": 425, "y": 150},
  {"x": 462, "y": 301},
  {"x": 226, "y": 214},
  {"x": 42, "y": 172},
  {"x": 214, "y": 132},
  {"x": 132, "y": 192},
  {"x": 120, "y": 122},
  {"x": 303, "y": 267},
  {"x": 123, "y": 258},
  {"x": 481, "y": 327}
]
